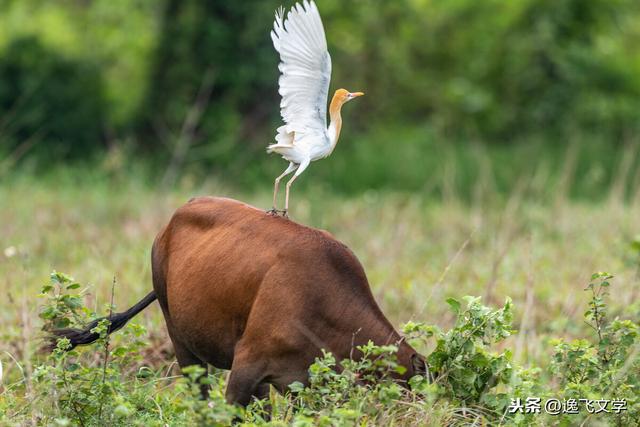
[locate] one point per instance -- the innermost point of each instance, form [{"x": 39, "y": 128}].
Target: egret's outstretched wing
[{"x": 305, "y": 65}]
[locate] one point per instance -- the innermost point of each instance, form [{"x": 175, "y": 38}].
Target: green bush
[
  {"x": 607, "y": 367},
  {"x": 109, "y": 384},
  {"x": 467, "y": 372}
]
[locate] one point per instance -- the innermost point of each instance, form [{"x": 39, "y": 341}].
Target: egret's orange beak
[{"x": 356, "y": 94}]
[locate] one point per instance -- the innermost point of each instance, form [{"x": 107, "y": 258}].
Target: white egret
[{"x": 305, "y": 65}]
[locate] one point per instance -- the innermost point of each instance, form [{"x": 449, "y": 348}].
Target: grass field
[{"x": 538, "y": 248}]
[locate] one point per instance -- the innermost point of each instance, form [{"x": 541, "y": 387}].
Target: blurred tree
[
  {"x": 551, "y": 64},
  {"x": 196, "y": 80},
  {"x": 214, "y": 60},
  {"x": 49, "y": 101},
  {"x": 493, "y": 70}
]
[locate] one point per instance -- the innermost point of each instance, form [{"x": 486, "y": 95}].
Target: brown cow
[{"x": 258, "y": 294}]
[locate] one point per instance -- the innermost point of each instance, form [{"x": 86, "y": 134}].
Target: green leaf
[
  {"x": 454, "y": 304},
  {"x": 296, "y": 387}
]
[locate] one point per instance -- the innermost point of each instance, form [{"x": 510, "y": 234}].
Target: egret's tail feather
[{"x": 284, "y": 140}]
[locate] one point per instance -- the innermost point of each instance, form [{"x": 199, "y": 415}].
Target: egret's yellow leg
[
  {"x": 291, "y": 168},
  {"x": 301, "y": 169}
]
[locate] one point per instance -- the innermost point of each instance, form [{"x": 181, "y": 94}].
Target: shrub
[
  {"x": 607, "y": 368},
  {"x": 109, "y": 384},
  {"x": 467, "y": 372}
]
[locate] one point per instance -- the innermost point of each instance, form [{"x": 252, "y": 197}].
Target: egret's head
[{"x": 344, "y": 95}]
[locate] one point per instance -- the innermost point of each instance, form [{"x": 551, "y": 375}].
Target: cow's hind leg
[
  {"x": 250, "y": 380},
  {"x": 246, "y": 382},
  {"x": 185, "y": 359},
  {"x": 184, "y": 356}
]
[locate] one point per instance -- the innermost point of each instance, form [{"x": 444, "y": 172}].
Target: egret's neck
[{"x": 336, "y": 121}]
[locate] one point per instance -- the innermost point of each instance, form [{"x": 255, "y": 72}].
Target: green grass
[{"x": 418, "y": 250}]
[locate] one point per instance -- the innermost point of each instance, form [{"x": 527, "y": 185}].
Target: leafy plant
[
  {"x": 467, "y": 371},
  {"x": 348, "y": 391},
  {"x": 62, "y": 308},
  {"x": 83, "y": 391},
  {"x": 108, "y": 384},
  {"x": 607, "y": 368}
]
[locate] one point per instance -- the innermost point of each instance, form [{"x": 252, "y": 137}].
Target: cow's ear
[{"x": 420, "y": 366}]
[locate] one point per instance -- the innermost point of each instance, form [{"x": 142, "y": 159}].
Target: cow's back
[{"x": 224, "y": 261}]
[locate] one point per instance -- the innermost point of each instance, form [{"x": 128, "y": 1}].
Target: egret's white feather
[{"x": 305, "y": 65}]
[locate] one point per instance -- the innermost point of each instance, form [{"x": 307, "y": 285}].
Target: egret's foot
[{"x": 276, "y": 212}]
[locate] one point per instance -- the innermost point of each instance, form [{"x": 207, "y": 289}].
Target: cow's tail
[{"x": 85, "y": 336}]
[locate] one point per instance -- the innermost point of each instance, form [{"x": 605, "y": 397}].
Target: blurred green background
[{"x": 463, "y": 89}]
